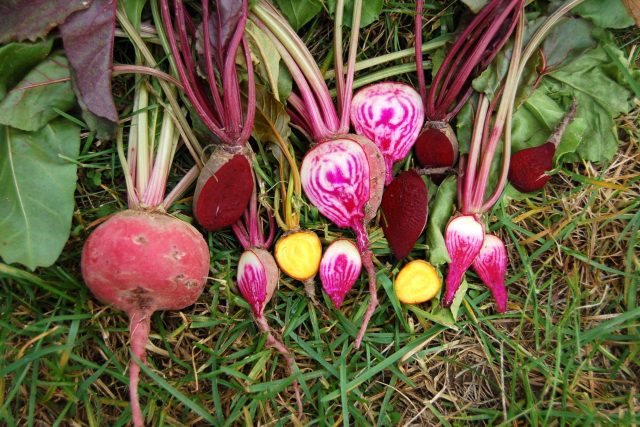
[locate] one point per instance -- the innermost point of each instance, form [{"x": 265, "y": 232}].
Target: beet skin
[
  {"x": 528, "y": 168},
  {"x": 404, "y": 208}
]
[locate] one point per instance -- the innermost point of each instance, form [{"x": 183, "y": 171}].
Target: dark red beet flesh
[
  {"x": 224, "y": 197},
  {"x": 404, "y": 212},
  {"x": 527, "y": 171},
  {"x": 434, "y": 149}
]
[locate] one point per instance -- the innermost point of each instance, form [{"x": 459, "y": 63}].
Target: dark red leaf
[
  {"x": 528, "y": 167},
  {"x": 404, "y": 212},
  {"x": 88, "y": 42},
  {"x": 32, "y": 19},
  {"x": 225, "y": 194},
  {"x": 222, "y": 24}
]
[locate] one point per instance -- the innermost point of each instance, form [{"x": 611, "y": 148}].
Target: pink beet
[
  {"x": 491, "y": 266},
  {"x": 463, "y": 237},
  {"x": 141, "y": 262},
  {"x": 339, "y": 269},
  {"x": 390, "y": 115}
]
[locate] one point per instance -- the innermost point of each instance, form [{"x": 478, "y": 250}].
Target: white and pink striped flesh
[
  {"x": 390, "y": 115},
  {"x": 463, "y": 238},
  {"x": 491, "y": 266},
  {"x": 257, "y": 278},
  {"x": 339, "y": 269}
]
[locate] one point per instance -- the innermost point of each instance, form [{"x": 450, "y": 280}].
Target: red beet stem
[
  {"x": 418, "y": 46},
  {"x": 367, "y": 261},
  {"x": 279, "y": 346},
  {"x": 139, "y": 327}
]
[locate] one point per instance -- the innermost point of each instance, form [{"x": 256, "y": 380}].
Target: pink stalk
[
  {"x": 491, "y": 266},
  {"x": 463, "y": 238},
  {"x": 422, "y": 87}
]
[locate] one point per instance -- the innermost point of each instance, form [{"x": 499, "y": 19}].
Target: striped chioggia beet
[
  {"x": 491, "y": 266},
  {"x": 339, "y": 269}
]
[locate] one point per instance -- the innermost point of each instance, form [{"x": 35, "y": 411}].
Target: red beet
[
  {"x": 528, "y": 168},
  {"x": 527, "y": 171},
  {"x": 223, "y": 190},
  {"x": 404, "y": 209},
  {"x": 436, "y": 147}
]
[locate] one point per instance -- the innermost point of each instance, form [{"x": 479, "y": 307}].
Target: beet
[
  {"x": 491, "y": 266},
  {"x": 436, "y": 148},
  {"x": 404, "y": 209},
  {"x": 223, "y": 190},
  {"x": 339, "y": 269},
  {"x": 527, "y": 171}
]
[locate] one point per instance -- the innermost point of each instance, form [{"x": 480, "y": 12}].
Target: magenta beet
[
  {"x": 390, "y": 115},
  {"x": 463, "y": 238},
  {"x": 491, "y": 266},
  {"x": 339, "y": 269}
]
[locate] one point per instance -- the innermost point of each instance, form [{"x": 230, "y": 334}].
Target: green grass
[{"x": 565, "y": 353}]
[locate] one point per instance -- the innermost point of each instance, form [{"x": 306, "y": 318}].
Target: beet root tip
[{"x": 491, "y": 266}]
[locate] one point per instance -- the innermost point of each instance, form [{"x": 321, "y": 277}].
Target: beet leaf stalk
[
  {"x": 342, "y": 174},
  {"x": 225, "y": 183},
  {"x": 142, "y": 260},
  {"x": 465, "y": 239},
  {"x": 258, "y": 277},
  {"x": 473, "y": 51}
]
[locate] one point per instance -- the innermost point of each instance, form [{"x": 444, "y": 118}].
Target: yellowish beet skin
[
  {"x": 417, "y": 282},
  {"x": 298, "y": 254}
]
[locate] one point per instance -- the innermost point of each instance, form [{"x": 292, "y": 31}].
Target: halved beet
[
  {"x": 528, "y": 168},
  {"x": 404, "y": 212},
  {"x": 436, "y": 148},
  {"x": 223, "y": 190}
]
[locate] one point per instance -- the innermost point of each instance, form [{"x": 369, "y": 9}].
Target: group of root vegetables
[{"x": 142, "y": 260}]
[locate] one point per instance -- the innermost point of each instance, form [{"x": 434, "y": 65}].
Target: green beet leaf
[
  {"x": 30, "y": 105},
  {"x": 16, "y": 59},
  {"x": 439, "y": 213},
  {"x": 605, "y": 13},
  {"x": 37, "y": 184},
  {"x": 299, "y": 12}
]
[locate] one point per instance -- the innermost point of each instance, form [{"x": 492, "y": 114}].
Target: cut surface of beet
[
  {"x": 404, "y": 209},
  {"x": 528, "y": 167},
  {"x": 434, "y": 148},
  {"x": 225, "y": 195}
]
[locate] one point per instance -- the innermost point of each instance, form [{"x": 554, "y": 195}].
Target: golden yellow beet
[
  {"x": 417, "y": 282},
  {"x": 298, "y": 254}
]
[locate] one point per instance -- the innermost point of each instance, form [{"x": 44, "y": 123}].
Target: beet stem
[
  {"x": 211, "y": 77},
  {"x": 279, "y": 346},
  {"x": 367, "y": 261},
  {"x": 139, "y": 327},
  {"x": 474, "y": 153},
  {"x": 351, "y": 63},
  {"x": 418, "y": 46},
  {"x": 557, "y": 134}
]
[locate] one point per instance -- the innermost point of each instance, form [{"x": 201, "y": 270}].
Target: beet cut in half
[
  {"x": 404, "y": 212},
  {"x": 223, "y": 192}
]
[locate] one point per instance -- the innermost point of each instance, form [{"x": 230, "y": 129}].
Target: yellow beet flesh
[
  {"x": 417, "y": 282},
  {"x": 298, "y": 254}
]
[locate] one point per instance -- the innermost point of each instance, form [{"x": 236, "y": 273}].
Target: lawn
[{"x": 566, "y": 351}]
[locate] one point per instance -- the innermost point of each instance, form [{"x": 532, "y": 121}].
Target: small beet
[
  {"x": 436, "y": 148},
  {"x": 491, "y": 266},
  {"x": 528, "y": 168},
  {"x": 463, "y": 238},
  {"x": 339, "y": 269},
  {"x": 390, "y": 115},
  {"x": 223, "y": 190},
  {"x": 404, "y": 208},
  {"x": 257, "y": 278}
]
